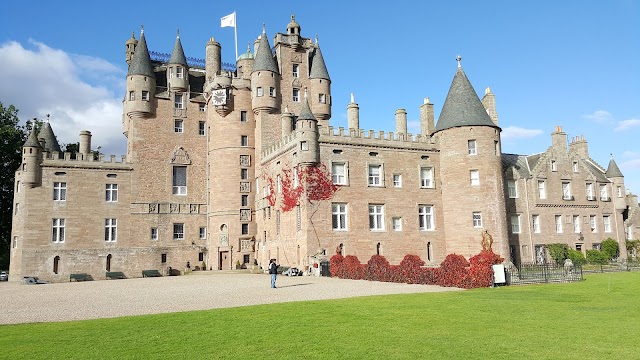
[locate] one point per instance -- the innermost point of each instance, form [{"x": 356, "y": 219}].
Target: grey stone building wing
[
  {"x": 264, "y": 60},
  {"x": 141, "y": 62},
  {"x": 462, "y": 106}
]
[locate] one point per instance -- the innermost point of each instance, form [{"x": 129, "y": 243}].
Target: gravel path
[{"x": 197, "y": 291}]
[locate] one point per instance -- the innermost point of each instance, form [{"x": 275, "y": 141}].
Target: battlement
[
  {"x": 279, "y": 147},
  {"x": 67, "y": 159},
  {"x": 373, "y": 138}
]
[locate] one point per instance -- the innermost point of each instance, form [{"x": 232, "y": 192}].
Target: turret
[
  {"x": 489, "y": 103},
  {"x": 401, "y": 121},
  {"x": 617, "y": 182},
  {"x": 287, "y": 122},
  {"x": 130, "y": 48},
  {"x": 265, "y": 79},
  {"x": 426, "y": 118},
  {"x": 50, "y": 143},
  {"x": 307, "y": 131},
  {"x": 85, "y": 144},
  {"x": 177, "y": 68},
  {"x": 213, "y": 62},
  {"x": 245, "y": 64},
  {"x": 141, "y": 83},
  {"x": 353, "y": 115},
  {"x": 31, "y": 158},
  {"x": 320, "y": 85}
]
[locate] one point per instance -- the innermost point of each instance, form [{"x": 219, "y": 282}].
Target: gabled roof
[
  {"x": 177, "y": 56},
  {"x": 264, "y": 60},
  {"x": 596, "y": 171},
  {"x": 462, "y": 106},
  {"x": 533, "y": 160},
  {"x": 516, "y": 162},
  {"x": 141, "y": 62},
  {"x": 318, "y": 67},
  {"x": 51, "y": 143},
  {"x": 32, "y": 140},
  {"x": 305, "y": 112},
  {"x": 613, "y": 170}
]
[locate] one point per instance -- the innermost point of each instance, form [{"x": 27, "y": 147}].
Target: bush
[
  {"x": 558, "y": 252},
  {"x": 481, "y": 273},
  {"x": 336, "y": 266},
  {"x": 610, "y": 248},
  {"x": 411, "y": 269},
  {"x": 576, "y": 257},
  {"x": 453, "y": 271},
  {"x": 597, "y": 257}
]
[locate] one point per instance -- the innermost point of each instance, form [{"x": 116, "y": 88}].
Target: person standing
[{"x": 273, "y": 271}]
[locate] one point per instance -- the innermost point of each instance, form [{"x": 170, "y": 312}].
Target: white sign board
[{"x": 498, "y": 274}]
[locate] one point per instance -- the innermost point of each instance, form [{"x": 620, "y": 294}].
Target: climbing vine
[{"x": 312, "y": 183}]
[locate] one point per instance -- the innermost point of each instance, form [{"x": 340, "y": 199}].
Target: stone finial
[
  {"x": 293, "y": 17},
  {"x": 264, "y": 28},
  {"x": 426, "y": 100},
  {"x": 458, "y": 59},
  {"x": 141, "y": 30},
  {"x": 316, "y": 38},
  {"x": 487, "y": 91},
  {"x": 178, "y": 35},
  {"x": 352, "y": 99}
]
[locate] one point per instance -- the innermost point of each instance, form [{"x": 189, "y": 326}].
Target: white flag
[{"x": 229, "y": 20}]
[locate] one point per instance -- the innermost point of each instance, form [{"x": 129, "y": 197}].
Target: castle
[{"x": 230, "y": 165}]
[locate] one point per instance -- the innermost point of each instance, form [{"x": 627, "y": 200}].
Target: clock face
[{"x": 219, "y": 97}]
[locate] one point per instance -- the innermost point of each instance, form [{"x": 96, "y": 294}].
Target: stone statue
[{"x": 487, "y": 241}]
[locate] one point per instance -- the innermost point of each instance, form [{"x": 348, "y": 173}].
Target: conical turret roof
[
  {"x": 305, "y": 113},
  {"x": 177, "y": 56},
  {"x": 51, "y": 143},
  {"x": 462, "y": 106},
  {"x": 32, "y": 140},
  {"x": 613, "y": 170},
  {"x": 318, "y": 67},
  {"x": 264, "y": 60},
  {"x": 141, "y": 62}
]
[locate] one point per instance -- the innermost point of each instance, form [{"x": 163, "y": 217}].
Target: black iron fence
[{"x": 542, "y": 273}]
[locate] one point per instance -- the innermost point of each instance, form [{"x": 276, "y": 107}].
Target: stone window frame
[
  {"x": 512, "y": 189},
  {"x": 58, "y": 230},
  {"x": 178, "y": 126},
  {"x": 339, "y": 216},
  {"x": 202, "y": 232},
  {"x": 426, "y": 217},
  {"x": 477, "y": 219},
  {"x": 376, "y": 217},
  {"x": 111, "y": 192},
  {"x": 59, "y": 191},
  {"x": 515, "y": 224},
  {"x": 371, "y": 177},
  {"x": 426, "y": 177},
  {"x": 178, "y": 231},
  {"x": 472, "y": 147},
  {"x": 474, "y": 177},
  {"x": 336, "y": 177},
  {"x": 110, "y": 230},
  {"x": 153, "y": 235}
]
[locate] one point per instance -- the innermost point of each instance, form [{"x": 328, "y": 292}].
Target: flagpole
[{"x": 235, "y": 32}]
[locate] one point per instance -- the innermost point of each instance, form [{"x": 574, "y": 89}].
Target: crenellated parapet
[
  {"x": 374, "y": 138},
  {"x": 285, "y": 144},
  {"x": 67, "y": 159}
]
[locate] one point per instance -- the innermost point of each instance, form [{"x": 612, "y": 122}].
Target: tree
[
  {"x": 558, "y": 252},
  {"x": 610, "y": 248}
]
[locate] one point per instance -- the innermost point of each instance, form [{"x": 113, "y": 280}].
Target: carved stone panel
[
  {"x": 174, "y": 208},
  {"x": 246, "y": 245},
  {"x": 223, "y": 240},
  {"x": 193, "y": 208},
  {"x": 245, "y": 215},
  {"x": 245, "y": 186},
  {"x": 180, "y": 156},
  {"x": 245, "y": 160},
  {"x": 153, "y": 208}
]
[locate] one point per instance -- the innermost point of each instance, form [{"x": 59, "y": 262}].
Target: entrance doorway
[{"x": 222, "y": 259}]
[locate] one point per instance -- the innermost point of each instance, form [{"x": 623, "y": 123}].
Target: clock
[{"x": 219, "y": 97}]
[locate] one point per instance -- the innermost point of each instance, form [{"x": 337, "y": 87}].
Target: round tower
[
  {"x": 85, "y": 143},
  {"x": 141, "y": 83},
  {"x": 213, "y": 62},
  {"x": 130, "y": 48},
  {"x": 265, "y": 79},
  {"x": 177, "y": 68},
  {"x": 353, "y": 115},
  {"x": 401, "y": 121},
  {"x": 320, "y": 86},
  {"x": 307, "y": 133},
  {"x": 31, "y": 158},
  {"x": 471, "y": 177},
  {"x": 287, "y": 122},
  {"x": 245, "y": 64}
]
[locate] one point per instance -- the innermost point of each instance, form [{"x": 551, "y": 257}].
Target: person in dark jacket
[{"x": 273, "y": 271}]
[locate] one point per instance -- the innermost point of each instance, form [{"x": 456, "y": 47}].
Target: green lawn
[{"x": 594, "y": 319}]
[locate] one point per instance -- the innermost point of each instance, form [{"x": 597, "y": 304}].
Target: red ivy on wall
[{"x": 313, "y": 182}]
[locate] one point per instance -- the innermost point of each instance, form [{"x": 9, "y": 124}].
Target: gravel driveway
[{"x": 196, "y": 291}]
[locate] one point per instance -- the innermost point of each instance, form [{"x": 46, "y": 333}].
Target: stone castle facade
[{"x": 212, "y": 149}]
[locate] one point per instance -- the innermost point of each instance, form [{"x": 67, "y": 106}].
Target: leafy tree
[
  {"x": 597, "y": 257},
  {"x": 558, "y": 252},
  {"x": 576, "y": 257},
  {"x": 633, "y": 247},
  {"x": 610, "y": 248}
]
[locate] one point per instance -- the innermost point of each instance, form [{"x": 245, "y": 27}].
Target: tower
[
  {"x": 320, "y": 86},
  {"x": 130, "y": 48},
  {"x": 139, "y": 101},
  {"x": 177, "y": 69},
  {"x": 470, "y": 169},
  {"x": 307, "y": 131},
  {"x": 31, "y": 158}
]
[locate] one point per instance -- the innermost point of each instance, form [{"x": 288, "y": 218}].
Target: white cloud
[
  {"x": 40, "y": 80},
  {"x": 600, "y": 116},
  {"x": 515, "y": 133},
  {"x": 627, "y": 124},
  {"x": 631, "y": 164},
  {"x": 631, "y": 154}
]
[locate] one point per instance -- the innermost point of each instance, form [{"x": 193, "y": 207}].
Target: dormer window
[{"x": 296, "y": 70}]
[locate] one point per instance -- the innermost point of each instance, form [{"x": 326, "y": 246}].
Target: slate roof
[
  {"x": 46, "y": 133},
  {"x": 462, "y": 106},
  {"x": 305, "y": 113},
  {"x": 264, "y": 60},
  {"x": 177, "y": 56},
  {"x": 516, "y": 162},
  {"x": 141, "y": 62},
  {"x": 533, "y": 160},
  {"x": 613, "y": 170},
  {"x": 597, "y": 172},
  {"x": 32, "y": 140},
  {"x": 318, "y": 67}
]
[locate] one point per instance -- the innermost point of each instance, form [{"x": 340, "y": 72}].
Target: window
[
  {"x": 304, "y": 146},
  {"x": 566, "y": 191},
  {"x": 475, "y": 177},
  {"x": 202, "y": 129},
  {"x": 201, "y": 258},
  {"x": 259, "y": 91},
  {"x": 542, "y": 190},
  {"x": 203, "y": 232},
  {"x": 425, "y": 215},
  {"x": 536, "y": 224},
  {"x": 607, "y": 223},
  {"x": 179, "y": 180},
  {"x": 244, "y": 174},
  {"x": 396, "y": 223},
  {"x": 243, "y": 116},
  {"x": 604, "y": 193},
  {"x": 296, "y": 95},
  {"x": 338, "y": 173},
  {"x": 15, "y": 242},
  {"x": 296, "y": 70},
  {"x": 515, "y": 224},
  {"x": 322, "y": 99},
  {"x": 244, "y": 140},
  {"x": 590, "y": 195},
  {"x": 375, "y": 177},
  {"x": 376, "y": 217},
  {"x": 163, "y": 258},
  {"x": 576, "y": 224},
  {"x": 279, "y": 184},
  {"x": 179, "y": 72},
  {"x": 178, "y": 231},
  {"x": 244, "y": 200},
  {"x": 558, "y": 224},
  {"x": 592, "y": 223},
  {"x": 154, "y": 233},
  {"x": 554, "y": 166},
  {"x": 246, "y": 259},
  {"x": 60, "y": 191},
  {"x": 17, "y": 209},
  {"x": 56, "y": 264},
  {"x": 145, "y": 95},
  {"x": 619, "y": 191},
  {"x": 272, "y": 91},
  {"x": 339, "y": 216},
  {"x": 111, "y": 194},
  {"x": 471, "y": 144},
  {"x": 57, "y": 235},
  {"x": 244, "y": 228},
  {"x": 575, "y": 166},
  {"x": 178, "y": 101},
  {"x": 177, "y": 127},
  {"x": 110, "y": 230},
  {"x": 477, "y": 219},
  {"x": 397, "y": 180},
  {"x": 496, "y": 148},
  {"x": 132, "y": 95},
  {"x": 426, "y": 177},
  {"x": 513, "y": 190}
]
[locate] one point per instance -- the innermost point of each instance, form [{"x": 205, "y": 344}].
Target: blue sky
[{"x": 568, "y": 63}]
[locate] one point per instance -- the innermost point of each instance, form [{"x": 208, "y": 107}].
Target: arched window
[
  {"x": 108, "y": 267},
  {"x": 56, "y": 264}
]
